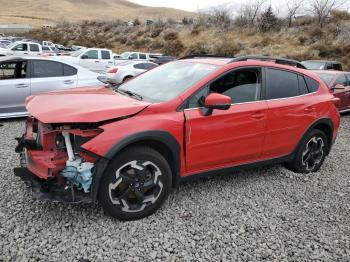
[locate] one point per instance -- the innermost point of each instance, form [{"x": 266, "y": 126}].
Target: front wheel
[
  {"x": 310, "y": 154},
  {"x": 136, "y": 184}
]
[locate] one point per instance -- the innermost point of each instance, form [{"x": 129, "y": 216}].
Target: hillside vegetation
[
  {"x": 302, "y": 39},
  {"x": 47, "y": 12}
]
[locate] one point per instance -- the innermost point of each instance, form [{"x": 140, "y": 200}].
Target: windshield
[
  {"x": 12, "y": 45},
  {"x": 327, "y": 78},
  {"x": 313, "y": 65},
  {"x": 77, "y": 53},
  {"x": 125, "y": 55},
  {"x": 168, "y": 81}
]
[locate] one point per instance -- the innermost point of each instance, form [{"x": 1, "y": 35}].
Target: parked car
[
  {"x": 21, "y": 77},
  {"x": 160, "y": 60},
  {"x": 21, "y": 49},
  {"x": 4, "y": 43},
  {"x": 127, "y": 70},
  {"x": 127, "y": 147},
  {"x": 51, "y": 50},
  {"x": 62, "y": 48},
  {"x": 47, "y": 43},
  {"x": 338, "y": 83},
  {"x": 322, "y": 65},
  {"x": 132, "y": 56},
  {"x": 94, "y": 59}
]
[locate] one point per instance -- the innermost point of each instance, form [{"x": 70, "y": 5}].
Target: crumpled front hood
[{"x": 82, "y": 105}]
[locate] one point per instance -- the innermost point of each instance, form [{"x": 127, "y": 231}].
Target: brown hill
[{"x": 47, "y": 12}]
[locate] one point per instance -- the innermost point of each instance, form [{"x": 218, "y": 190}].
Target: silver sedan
[
  {"x": 21, "y": 77},
  {"x": 128, "y": 69}
]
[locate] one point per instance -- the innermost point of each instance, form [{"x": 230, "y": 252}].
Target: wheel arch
[
  {"x": 326, "y": 126},
  {"x": 161, "y": 141}
]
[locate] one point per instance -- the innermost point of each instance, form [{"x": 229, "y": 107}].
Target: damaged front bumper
[
  {"x": 46, "y": 169},
  {"x": 48, "y": 191}
]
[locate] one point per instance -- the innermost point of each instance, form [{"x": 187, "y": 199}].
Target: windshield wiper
[{"x": 129, "y": 93}]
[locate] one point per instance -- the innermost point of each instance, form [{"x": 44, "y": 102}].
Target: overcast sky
[{"x": 194, "y": 5}]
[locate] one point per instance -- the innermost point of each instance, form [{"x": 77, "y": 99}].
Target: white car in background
[
  {"x": 22, "y": 49},
  {"x": 127, "y": 70},
  {"x": 21, "y": 77},
  {"x": 94, "y": 59}
]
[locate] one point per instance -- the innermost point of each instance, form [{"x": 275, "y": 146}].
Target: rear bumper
[{"x": 47, "y": 190}]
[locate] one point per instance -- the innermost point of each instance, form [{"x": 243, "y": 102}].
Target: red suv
[{"x": 127, "y": 147}]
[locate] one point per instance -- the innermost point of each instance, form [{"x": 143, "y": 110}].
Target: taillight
[{"x": 113, "y": 70}]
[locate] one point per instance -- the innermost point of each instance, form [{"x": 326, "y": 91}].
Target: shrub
[
  {"x": 198, "y": 48},
  {"x": 171, "y": 36},
  {"x": 174, "y": 48}
]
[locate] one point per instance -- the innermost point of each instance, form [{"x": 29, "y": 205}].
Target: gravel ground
[{"x": 262, "y": 214}]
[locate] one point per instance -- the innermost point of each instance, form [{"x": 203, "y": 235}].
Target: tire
[
  {"x": 135, "y": 184},
  {"x": 127, "y": 78},
  {"x": 310, "y": 154}
]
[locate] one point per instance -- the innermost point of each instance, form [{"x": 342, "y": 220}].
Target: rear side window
[
  {"x": 69, "y": 70},
  {"x": 281, "y": 84},
  {"x": 139, "y": 66},
  {"x": 105, "y": 55},
  {"x": 312, "y": 85},
  {"x": 143, "y": 56},
  {"x": 149, "y": 66},
  {"x": 34, "y": 48},
  {"x": 337, "y": 67},
  {"x": 45, "y": 48},
  {"x": 47, "y": 69}
]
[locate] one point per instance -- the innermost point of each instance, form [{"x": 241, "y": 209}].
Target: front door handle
[
  {"x": 21, "y": 85},
  {"x": 97, "y": 61}
]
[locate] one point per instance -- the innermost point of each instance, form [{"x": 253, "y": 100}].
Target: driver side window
[{"x": 242, "y": 85}]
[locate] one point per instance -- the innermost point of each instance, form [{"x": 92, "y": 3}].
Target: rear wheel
[
  {"x": 310, "y": 154},
  {"x": 136, "y": 184}
]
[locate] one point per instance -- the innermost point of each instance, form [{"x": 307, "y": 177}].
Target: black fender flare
[{"x": 163, "y": 137}]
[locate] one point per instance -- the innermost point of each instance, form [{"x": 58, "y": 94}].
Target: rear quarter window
[
  {"x": 312, "y": 84},
  {"x": 69, "y": 70}
]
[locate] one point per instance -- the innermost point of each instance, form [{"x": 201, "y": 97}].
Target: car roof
[
  {"x": 322, "y": 61},
  {"x": 330, "y": 72},
  {"x": 212, "y": 61}
]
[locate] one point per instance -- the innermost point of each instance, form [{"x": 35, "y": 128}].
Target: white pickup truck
[
  {"x": 22, "y": 49},
  {"x": 94, "y": 59}
]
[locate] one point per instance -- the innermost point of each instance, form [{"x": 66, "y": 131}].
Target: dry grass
[{"x": 48, "y": 12}]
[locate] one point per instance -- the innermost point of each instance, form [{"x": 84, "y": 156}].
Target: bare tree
[
  {"x": 250, "y": 12},
  {"x": 321, "y": 9},
  {"x": 293, "y": 7},
  {"x": 221, "y": 16}
]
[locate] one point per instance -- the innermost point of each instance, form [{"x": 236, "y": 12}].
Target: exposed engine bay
[{"x": 53, "y": 152}]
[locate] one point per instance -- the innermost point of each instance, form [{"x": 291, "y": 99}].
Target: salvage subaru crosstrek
[{"x": 126, "y": 147}]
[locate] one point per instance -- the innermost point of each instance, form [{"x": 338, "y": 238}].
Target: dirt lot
[{"x": 267, "y": 213}]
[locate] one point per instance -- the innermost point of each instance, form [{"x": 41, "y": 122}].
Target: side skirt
[{"x": 273, "y": 161}]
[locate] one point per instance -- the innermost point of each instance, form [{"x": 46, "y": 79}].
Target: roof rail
[
  {"x": 204, "y": 56},
  {"x": 278, "y": 60}
]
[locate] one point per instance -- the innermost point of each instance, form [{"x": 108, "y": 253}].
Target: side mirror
[
  {"x": 84, "y": 57},
  {"x": 338, "y": 86},
  {"x": 216, "y": 101}
]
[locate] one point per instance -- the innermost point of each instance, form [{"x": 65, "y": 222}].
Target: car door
[
  {"x": 231, "y": 137},
  {"x": 106, "y": 60},
  {"x": 90, "y": 60},
  {"x": 343, "y": 93},
  {"x": 20, "y": 49},
  {"x": 49, "y": 75},
  {"x": 14, "y": 86},
  {"x": 290, "y": 111}
]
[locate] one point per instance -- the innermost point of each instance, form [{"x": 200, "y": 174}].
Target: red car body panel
[
  {"x": 245, "y": 133},
  {"x": 81, "y": 106},
  {"x": 342, "y": 94}
]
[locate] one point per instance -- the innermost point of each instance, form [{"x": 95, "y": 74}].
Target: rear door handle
[
  {"x": 258, "y": 115},
  {"x": 309, "y": 109},
  {"x": 25, "y": 53},
  {"x": 21, "y": 86},
  {"x": 68, "y": 82},
  {"x": 97, "y": 61}
]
